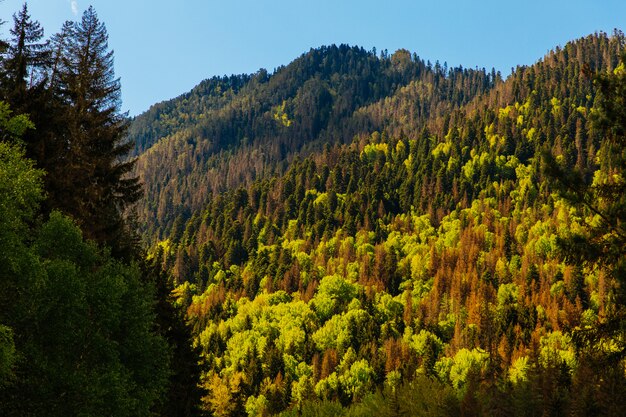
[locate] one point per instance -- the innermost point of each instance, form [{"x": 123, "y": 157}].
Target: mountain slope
[
  {"x": 163, "y": 119},
  {"x": 255, "y": 129},
  {"x": 429, "y": 248}
]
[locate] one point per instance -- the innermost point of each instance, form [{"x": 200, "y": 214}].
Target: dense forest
[
  {"x": 231, "y": 131},
  {"x": 354, "y": 234},
  {"x": 425, "y": 260}
]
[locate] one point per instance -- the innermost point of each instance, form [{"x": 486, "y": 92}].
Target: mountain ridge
[
  {"x": 425, "y": 251},
  {"x": 318, "y": 110}
]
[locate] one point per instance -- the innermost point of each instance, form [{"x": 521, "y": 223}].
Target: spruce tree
[
  {"x": 25, "y": 86},
  {"x": 99, "y": 188},
  {"x": 183, "y": 393},
  {"x": 24, "y": 60}
]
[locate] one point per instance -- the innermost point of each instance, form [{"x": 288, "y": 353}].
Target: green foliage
[
  {"x": 418, "y": 264},
  {"x": 466, "y": 362},
  {"x": 78, "y": 334},
  {"x": 20, "y": 188},
  {"x": 76, "y": 324},
  {"x": 519, "y": 370},
  {"x": 7, "y": 354},
  {"x": 332, "y": 296},
  {"x": 358, "y": 379},
  {"x": 90, "y": 339},
  {"x": 256, "y": 406},
  {"x": 13, "y": 127}
]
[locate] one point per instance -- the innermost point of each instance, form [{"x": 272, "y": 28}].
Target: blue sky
[{"x": 164, "y": 48}]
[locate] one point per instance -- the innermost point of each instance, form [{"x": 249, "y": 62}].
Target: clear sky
[{"x": 164, "y": 48}]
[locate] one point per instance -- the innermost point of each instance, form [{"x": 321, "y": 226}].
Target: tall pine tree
[
  {"x": 183, "y": 394},
  {"x": 24, "y": 60},
  {"x": 99, "y": 189},
  {"x": 24, "y": 83}
]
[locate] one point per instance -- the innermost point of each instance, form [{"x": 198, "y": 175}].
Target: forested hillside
[
  {"x": 430, "y": 263},
  {"x": 353, "y": 234},
  {"x": 230, "y": 131}
]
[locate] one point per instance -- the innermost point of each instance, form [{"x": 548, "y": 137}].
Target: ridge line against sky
[{"x": 165, "y": 48}]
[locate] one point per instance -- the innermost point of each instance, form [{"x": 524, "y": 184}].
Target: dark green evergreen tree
[
  {"x": 99, "y": 188},
  {"x": 24, "y": 61},
  {"x": 183, "y": 395}
]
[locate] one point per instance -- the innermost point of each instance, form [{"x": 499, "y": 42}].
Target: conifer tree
[
  {"x": 183, "y": 395},
  {"x": 24, "y": 60},
  {"x": 24, "y": 85},
  {"x": 97, "y": 167}
]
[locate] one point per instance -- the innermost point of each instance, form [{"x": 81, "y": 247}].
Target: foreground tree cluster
[
  {"x": 68, "y": 89},
  {"x": 86, "y": 325}
]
